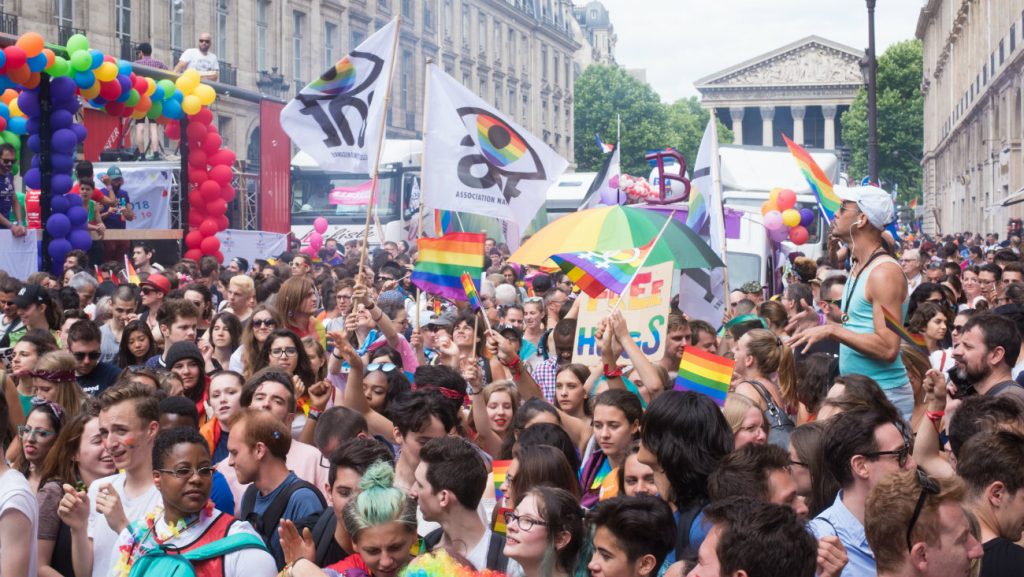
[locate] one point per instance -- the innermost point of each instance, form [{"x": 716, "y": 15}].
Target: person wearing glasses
[
  {"x": 544, "y": 533},
  {"x": 200, "y": 59},
  {"x": 186, "y": 519},
  {"x": 8, "y": 199},
  {"x": 84, "y": 342},
  {"x": 916, "y": 527},
  {"x": 154, "y": 291},
  {"x": 831, "y": 298},
  {"x": 861, "y": 448},
  {"x": 911, "y": 263}
]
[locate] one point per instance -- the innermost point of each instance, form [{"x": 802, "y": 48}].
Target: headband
[{"x": 61, "y": 376}]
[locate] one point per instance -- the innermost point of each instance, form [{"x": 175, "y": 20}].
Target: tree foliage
[
  {"x": 900, "y": 121},
  {"x": 602, "y": 92}
]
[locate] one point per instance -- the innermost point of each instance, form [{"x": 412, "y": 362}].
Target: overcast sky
[{"x": 679, "y": 41}]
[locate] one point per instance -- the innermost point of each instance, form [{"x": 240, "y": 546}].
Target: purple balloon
[
  {"x": 773, "y": 220},
  {"x": 780, "y": 234},
  {"x": 58, "y": 225},
  {"x": 80, "y": 239},
  {"x": 32, "y": 125},
  {"x": 61, "y": 119},
  {"x": 126, "y": 87},
  {"x": 80, "y": 131},
  {"x": 28, "y": 102},
  {"x": 74, "y": 199},
  {"x": 34, "y": 163},
  {"x": 61, "y": 87},
  {"x": 62, "y": 163},
  {"x": 64, "y": 140},
  {"x": 59, "y": 204},
  {"x": 78, "y": 215},
  {"x": 806, "y": 217},
  {"x": 32, "y": 178},
  {"x": 60, "y": 183},
  {"x": 611, "y": 197},
  {"x": 34, "y": 144},
  {"x": 58, "y": 249}
]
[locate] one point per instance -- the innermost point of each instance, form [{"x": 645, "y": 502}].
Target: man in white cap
[{"x": 877, "y": 287}]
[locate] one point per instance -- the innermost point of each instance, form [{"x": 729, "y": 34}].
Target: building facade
[
  {"x": 516, "y": 54},
  {"x": 595, "y": 33},
  {"x": 799, "y": 90},
  {"x": 972, "y": 85}
]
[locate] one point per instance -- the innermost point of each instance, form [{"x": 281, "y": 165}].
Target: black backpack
[
  {"x": 323, "y": 536},
  {"x": 267, "y": 523},
  {"x": 496, "y": 559}
]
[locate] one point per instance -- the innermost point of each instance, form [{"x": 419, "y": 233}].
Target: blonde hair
[
  {"x": 736, "y": 408},
  {"x": 243, "y": 283},
  {"x": 774, "y": 357},
  {"x": 69, "y": 394}
]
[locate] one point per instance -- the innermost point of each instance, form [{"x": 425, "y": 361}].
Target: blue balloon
[
  {"x": 59, "y": 204},
  {"x": 35, "y": 161},
  {"x": 32, "y": 178},
  {"x": 34, "y": 145},
  {"x": 62, "y": 163},
  {"x": 77, "y": 214},
  {"x": 178, "y": 96},
  {"x": 5, "y": 111},
  {"x": 85, "y": 79},
  {"x": 58, "y": 249},
  {"x": 58, "y": 225},
  {"x": 97, "y": 58},
  {"x": 80, "y": 131},
  {"x": 3, "y": 59},
  {"x": 64, "y": 140},
  {"x": 28, "y": 102},
  {"x": 172, "y": 109},
  {"x": 6, "y": 82},
  {"x": 98, "y": 102},
  {"x": 158, "y": 94},
  {"x": 17, "y": 125},
  {"x": 80, "y": 239},
  {"x": 124, "y": 67},
  {"x": 37, "y": 63},
  {"x": 61, "y": 119},
  {"x": 60, "y": 183}
]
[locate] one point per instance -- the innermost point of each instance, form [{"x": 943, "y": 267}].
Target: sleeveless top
[
  {"x": 861, "y": 320},
  {"x": 213, "y": 567}
]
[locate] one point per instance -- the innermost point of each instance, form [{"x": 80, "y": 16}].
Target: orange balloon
[
  {"x": 91, "y": 92},
  {"x": 8, "y": 96},
  {"x": 20, "y": 74},
  {"x": 31, "y": 43},
  {"x": 49, "y": 57},
  {"x": 32, "y": 82}
]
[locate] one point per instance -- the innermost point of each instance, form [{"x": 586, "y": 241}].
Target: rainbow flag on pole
[
  {"x": 129, "y": 272},
  {"x": 594, "y": 272},
  {"x": 442, "y": 221},
  {"x": 815, "y": 176},
  {"x": 471, "y": 295},
  {"x": 705, "y": 373},
  {"x": 915, "y": 340},
  {"x": 442, "y": 262}
]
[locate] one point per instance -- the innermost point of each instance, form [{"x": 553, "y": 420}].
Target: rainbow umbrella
[{"x": 611, "y": 228}]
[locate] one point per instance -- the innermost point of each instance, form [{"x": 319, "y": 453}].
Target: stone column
[
  {"x": 830, "y": 126},
  {"x": 798, "y": 123},
  {"x": 767, "y": 116},
  {"x": 737, "y": 124}
]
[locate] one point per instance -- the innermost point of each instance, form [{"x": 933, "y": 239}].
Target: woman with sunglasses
[
  {"x": 263, "y": 321},
  {"x": 38, "y": 435},
  {"x": 370, "y": 391},
  {"x": 137, "y": 345}
]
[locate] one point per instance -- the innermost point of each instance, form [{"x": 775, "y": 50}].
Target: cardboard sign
[{"x": 645, "y": 309}]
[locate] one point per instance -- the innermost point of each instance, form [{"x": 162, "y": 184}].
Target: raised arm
[
  {"x": 927, "y": 448},
  {"x": 361, "y": 295},
  {"x": 644, "y": 368},
  {"x": 355, "y": 398}
]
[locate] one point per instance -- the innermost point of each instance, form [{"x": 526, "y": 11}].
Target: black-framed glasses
[
  {"x": 902, "y": 454},
  {"x": 525, "y": 523},
  {"x": 7, "y": 160},
  {"x": 284, "y": 351},
  {"x": 928, "y": 487},
  {"x": 185, "y": 473}
]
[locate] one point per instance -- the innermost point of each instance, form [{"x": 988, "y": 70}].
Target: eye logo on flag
[
  {"x": 340, "y": 79},
  {"x": 504, "y": 154},
  {"x": 336, "y": 88}
]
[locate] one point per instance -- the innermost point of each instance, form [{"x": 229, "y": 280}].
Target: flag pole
[
  {"x": 654, "y": 243},
  {"x": 380, "y": 142},
  {"x": 716, "y": 186},
  {"x": 423, "y": 155}
]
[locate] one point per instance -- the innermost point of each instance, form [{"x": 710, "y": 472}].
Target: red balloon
[
  {"x": 139, "y": 83},
  {"x": 222, "y": 174},
  {"x": 216, "y": 207},
  {"x": 210, "y": 191},
  {"x": 223, "y": 156},
  {"x": 193, "y": 238},
  {"x": 204, "y": 116},
  {"x": 16, "y": 57},
  {"x": 219, "y": 256},
  {"x": 3, "y": 126},
  {"x": 173, "y": 130},
  {"x": 210, "y": 245},
  {"x": 194, "y": 254},
  {"x": 196, "y": 131},
  {"x": 110, "y": 90},
  {"x": 114, "y": 108},
  {"x": 208, "y": 228},
  {"x": 227, "y": 193},
  {"x": 798, "y": 234},
  {"x": 197, "y": 175},
  {"x": 212, "y": 143},
  {"x": 195, "y": 198},
  {"x": 222, "y": 222},
  {"x": 786, "y": 200},
  {"x": 109, "y": 58},
  {"x": 197, "y": 158}
]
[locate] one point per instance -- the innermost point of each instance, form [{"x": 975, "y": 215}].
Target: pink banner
[{"x": 358, "y": 195}]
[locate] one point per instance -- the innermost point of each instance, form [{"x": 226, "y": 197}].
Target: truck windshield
[
  {"x": 743, "y": 267},
  {"x": 311, "y": 197}
]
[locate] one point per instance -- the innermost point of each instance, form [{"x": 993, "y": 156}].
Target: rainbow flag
[
  {"x": 595, "y": 272},
  {"x": 499, "y": 520},
  {"x": 442, "y": 262},
  {"x": 913, "y": 203},
  {"x": 129, "y": 271},
  {"x": 471, "y": 295},
  {"x": 442, "y": 221},
  {"x": 499, "y": 470},
  {"x": 815, "y": 176},
  {"x": 915, "y": 340},
  {"x": 706, "y": 373}
]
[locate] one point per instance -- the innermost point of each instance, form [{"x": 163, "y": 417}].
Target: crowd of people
[{"x": 323, "y": 417}]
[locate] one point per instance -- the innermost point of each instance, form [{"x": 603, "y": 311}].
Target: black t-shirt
[
  {"x": 101, "y": 378},
  {"x": 1003, "y": 558}
]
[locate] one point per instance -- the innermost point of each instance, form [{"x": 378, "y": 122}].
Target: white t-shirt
[
  {"x": 253, "y": 562},
  {"x": 198, "y": 61},
  {"x": 104, "y": 539},
  {"x": 17, "y": 495},
  {"x": 478, "y": 556}
]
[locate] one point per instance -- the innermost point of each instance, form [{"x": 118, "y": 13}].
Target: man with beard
[{"x": 988, "y": 349}]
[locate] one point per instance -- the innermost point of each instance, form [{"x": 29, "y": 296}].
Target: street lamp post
[{"x": 872, "y": 97}]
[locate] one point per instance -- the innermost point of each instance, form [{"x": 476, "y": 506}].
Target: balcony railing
[
  {"x": 66, "y": 32},
  {"x": 228, "y": 74},
  {"x": 8, "y": 24},
  {"x": 128, "y": 49}
]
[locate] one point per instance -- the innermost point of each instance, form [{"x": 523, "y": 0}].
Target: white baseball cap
[{"x": 875, "y": 203}]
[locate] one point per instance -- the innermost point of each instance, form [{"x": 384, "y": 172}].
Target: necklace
[{"x": 856, "y": 279}]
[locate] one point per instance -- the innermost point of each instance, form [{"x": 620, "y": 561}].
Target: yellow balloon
[
  {"x": 191, "y": 105},
  {"x": 91, "y": 92},
  {"x": 790, "y": 217},
  {"x": 106, "y": 72},
  {"x": 187, "y": 82},
  {"x": 774, "y": 194},
  {"x": 150, "y": 86},
  {"x": 139, "y": 114},
  {"x": 205, "y": 93},
  {"x": 13, "y": 107}
]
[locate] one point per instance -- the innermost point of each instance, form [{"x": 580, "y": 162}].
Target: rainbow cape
[
  {"x": 915, "y": 340},
  {"x": 705, "y": 373},
  {"x": 471, "y": 295},
  {"x": 595, "y": 272},
  {"x": 442, "y": 262},
  {"x": 815, "y": 176}
]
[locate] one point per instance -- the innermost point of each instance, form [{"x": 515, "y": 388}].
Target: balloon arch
[{"x": 39, "y": 97}]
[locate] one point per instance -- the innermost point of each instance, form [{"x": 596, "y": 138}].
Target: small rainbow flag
[
  {"x": 706, "y": 373},
  {"x": 499, "y": 470},
  {"x": 915, "y": 340},
  {"x": 816, "y": 178},
  {"x": 913, "y": 203},
  {"x": 442, "y": 262},
  {"x": 471, "y": 295},
  {"x": 99, "y": 273},
  {"x": 442, "y": 221},
  {"x": 594, "y": 272},
  {"x": 129, "y": 271},
  {"x": 437, "y": 307},
  {"x": 499, "y": 521}
]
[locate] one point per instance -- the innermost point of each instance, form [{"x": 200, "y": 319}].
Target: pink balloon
[
  {"x": 320, "y": 225},
  {"x": 786, "y": 200},
  {"x": 773, "y": 220},
  {"x": 316, "y": 240}
]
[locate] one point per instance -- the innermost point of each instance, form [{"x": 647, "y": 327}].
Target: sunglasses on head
[{"x": 382, "y": 367}]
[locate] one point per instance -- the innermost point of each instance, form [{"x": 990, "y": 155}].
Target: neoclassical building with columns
[{"x": 800, "y": 90}]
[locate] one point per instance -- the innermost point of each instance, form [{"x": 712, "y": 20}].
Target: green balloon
[
  {"x": 81, "y": 60},
  {"x": 11, "y": 138},
  {"x": 77, "y": 43},
  {"x": 60, "y": 67},
  {"x": 133, "y": 98},
  {"x": 155, "y": 111},
  {"x": 168, "y": 87}
]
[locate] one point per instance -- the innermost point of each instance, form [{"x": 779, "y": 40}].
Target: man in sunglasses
[
  {"x": 861, "y": 448},
  {"x": 84, "y": 342},
  {"x": 831, "y": 301},
  {"x": 200, "y": 59},
  {"x": 917, "y": 527},
  {"x": 8, "y": 200}
]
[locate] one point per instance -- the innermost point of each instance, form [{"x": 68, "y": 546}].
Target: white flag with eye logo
[{"x": 477, "y": 160}]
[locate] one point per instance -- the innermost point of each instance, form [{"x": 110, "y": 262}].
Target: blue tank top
[{"x": 861, "y": 320}]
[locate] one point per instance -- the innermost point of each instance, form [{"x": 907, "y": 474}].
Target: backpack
[
  {"x": 323, "y": 535},
  {"x": 166, "y": 563},
  {"x": 779, "y": 423},
  {"x": 267, "y": 523},
  {"x": 496, "y": 559}
]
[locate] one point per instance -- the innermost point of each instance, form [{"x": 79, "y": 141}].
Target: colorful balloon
[
  {"x": 773, "y": 220},
  {"x": 790, "y": 218},
  {"x": 77, "y": 43},
  {"x": 786, "y": 199},
  {"x": 30, "y": 42},
  {"x": 798, "y": 235}
]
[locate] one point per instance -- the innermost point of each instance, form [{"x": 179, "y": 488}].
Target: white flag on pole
[
  {"x": 480, "y": 161},
  {"x": 336, "y": 119},
  {"x": 606, "y": 182},
  {"x": 702, "y": 291}
]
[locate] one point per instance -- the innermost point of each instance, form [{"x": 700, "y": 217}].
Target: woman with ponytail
[{"x": 766, "y": 374}]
